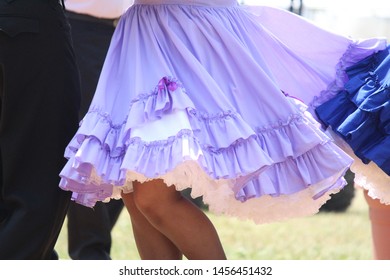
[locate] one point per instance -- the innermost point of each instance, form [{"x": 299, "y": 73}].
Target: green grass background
[{"x": 324, "y": 236}]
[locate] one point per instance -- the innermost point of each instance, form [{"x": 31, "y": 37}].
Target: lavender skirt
[{"x": 194, "y": 92}]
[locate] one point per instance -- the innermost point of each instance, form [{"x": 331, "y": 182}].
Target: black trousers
[
  {"x": 89, "y": 230},
  {"x": 39, "y": 103}
]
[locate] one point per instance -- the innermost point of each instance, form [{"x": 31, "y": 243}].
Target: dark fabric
[
  {"x": 39, "y": 102},
  {"x": 91, "y": 19},
  {"x": 89, "y": 230},
  {"x": 91, "y": 41}
]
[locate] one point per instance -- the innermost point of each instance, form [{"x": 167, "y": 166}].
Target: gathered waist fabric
[{"x": 211, "y": 3}]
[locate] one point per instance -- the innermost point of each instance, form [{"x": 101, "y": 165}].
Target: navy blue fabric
[{"x": 360, "y": 113}]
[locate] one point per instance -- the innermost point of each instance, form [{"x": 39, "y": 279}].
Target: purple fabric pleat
[{"x": 196, "y": 95}]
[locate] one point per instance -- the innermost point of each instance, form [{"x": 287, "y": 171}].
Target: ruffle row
[
  {"x": 367, "y": 176},
  {"x": 360, "y": 113},
  {"x": 355, "y": 53},
  {"x": 316, "y": 70},
  {"x": 371, "y": 178},
  {"x": 360, "y": 56},
  {"x": 246, "y": 163}
]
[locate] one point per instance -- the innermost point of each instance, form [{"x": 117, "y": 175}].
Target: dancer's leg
[
  {"x": 380, "y": 227},
  {"x": 178, "y": 219},
  {"x": 151, "y": 244}
]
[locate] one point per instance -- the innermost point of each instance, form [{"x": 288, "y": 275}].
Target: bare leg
[
  {"x": 151, "y": 244},
  {"x": 380, "y": 227},
  {"x": 178, "y": 219}
]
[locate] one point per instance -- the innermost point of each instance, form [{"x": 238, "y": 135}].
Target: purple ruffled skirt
[{"x": 194, "y": 92}]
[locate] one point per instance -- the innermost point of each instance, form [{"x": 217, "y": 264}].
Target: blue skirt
[{"x": 359, "y": 116}]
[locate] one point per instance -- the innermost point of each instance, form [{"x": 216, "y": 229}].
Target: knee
[
  {"x": 150, "y": 206},
  {"x": 156, "y": 206}
]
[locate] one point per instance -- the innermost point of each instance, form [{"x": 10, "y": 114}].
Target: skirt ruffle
[
  {"x": 191, "y": 94},
  {"x": 360, "y": 115},
  {"x": 368, "y": 176},
  {"x": 307, "y": 61}
]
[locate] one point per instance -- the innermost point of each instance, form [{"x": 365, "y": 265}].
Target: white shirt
[{"x": 99, "y": 8}]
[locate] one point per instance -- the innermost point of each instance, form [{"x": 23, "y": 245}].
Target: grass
[{"x": 325, "y": 236}]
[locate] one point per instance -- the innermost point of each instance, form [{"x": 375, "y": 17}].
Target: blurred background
[{"x": 356, "y": 18}]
